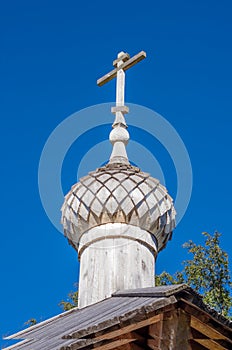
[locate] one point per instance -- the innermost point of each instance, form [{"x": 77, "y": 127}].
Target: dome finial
[{"x": 119, "y": 136}]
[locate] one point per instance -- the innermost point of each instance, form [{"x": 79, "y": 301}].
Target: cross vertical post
[
  {"x": 119, "y": 136},
  {"x": 120, "y": 85},
  {"x": 120, "y": 109}
]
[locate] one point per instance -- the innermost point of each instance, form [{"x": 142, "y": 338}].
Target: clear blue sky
[{"x": 52, "y": 52}]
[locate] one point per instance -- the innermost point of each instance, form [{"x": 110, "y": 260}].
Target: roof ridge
[{"x": 157, "y": 291}]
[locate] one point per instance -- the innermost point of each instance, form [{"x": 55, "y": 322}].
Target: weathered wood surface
[
  {"x": 116, "y": 317},
  {"x": 126, "y": 65},
  {"x": 116, "y": 195},
  {"x": 155, "y": 331},
  {"x": 130, "y": 328},
  {"x": 113, "y": 257},
  {"x": 122, "y": 56},
  {"x": 123, "y": 109},
  {"x": 153, "y": 344},
  {"x": 120, "y": 84},
  {"x": 208, "y": 317},
  {"x": 130, "y": 346},
  {"x": 107, "y": 344},
  {"x": 175, "y": 333},
  {"x": 210, "y": 344},
  {"x": 171, "y": 331},
  {"x": 205, "y": 329},
  {"x": 115, "y": 343},
  {"x": 158, "y": 291}
]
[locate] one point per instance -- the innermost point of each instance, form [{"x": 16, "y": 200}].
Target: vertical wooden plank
[
  {"x": 112, "y": 261},
  {"x": 176, "y": 331},
  {"x": 155, "y": 331}
]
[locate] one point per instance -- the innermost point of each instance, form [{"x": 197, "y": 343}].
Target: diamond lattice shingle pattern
[{"x": 124, "y": 195}]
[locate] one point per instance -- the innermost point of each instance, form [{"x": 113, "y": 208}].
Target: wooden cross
[
  {"x": 119, "y": 137},
  {"x": 121, "y": 64}
]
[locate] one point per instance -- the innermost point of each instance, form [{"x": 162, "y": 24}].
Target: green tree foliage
[
  {"x": 30, "y": 322},
  {"x": 207, "y": 272},
  {"x": 71, "y": 302}
]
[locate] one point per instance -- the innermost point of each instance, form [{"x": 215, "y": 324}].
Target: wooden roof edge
[
  {"x": 22, "y": 342},
  {"x": 143, "y": 319},
  {"x": 155, "y": 292},
  {"x": 179, "y": 294},
  {"x": 180, "y": 291},
  {"x": 199, "y": 303},
  {"x": 37, "y": 325},
  {"x": 220, "y": 323},
  {"x": 132, "y": 317},
  {"x": 111, "y": 333}
]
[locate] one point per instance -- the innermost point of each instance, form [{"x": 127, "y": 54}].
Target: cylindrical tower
[{"x": 117, "y": 218}]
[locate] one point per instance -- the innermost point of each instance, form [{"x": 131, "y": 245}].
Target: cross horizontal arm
[
  {"x": 107, "y": 77},
  {"x": 126, "y": 65}
]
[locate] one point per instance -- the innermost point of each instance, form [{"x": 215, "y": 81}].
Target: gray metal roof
[{"x": 58, "y": 332}]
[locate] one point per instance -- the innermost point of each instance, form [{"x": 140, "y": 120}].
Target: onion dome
[{"x": 118, "y": 193}]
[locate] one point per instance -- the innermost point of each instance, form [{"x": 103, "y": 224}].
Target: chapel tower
[{"x": 117, "y": 217}]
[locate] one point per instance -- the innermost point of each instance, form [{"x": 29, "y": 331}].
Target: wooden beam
[
  {"x": 205, "y": 329},
  {"x": 210, "y": 344},
  {"x": 133, "y": 335},
  {"x": 123, "y": 325},
  {"x": 206, "y": 318},
  {"x": 197, "y": 335},
  {"x": 126, "y": 65},
  {"x": 123, "y": 347},
  {"x": 153, "y": 344},
  {"x": 155, "y": 331},
  {"x": 107, "y": 77},
  {"x": 133, "y": 60},
  {"x": 113, "y": 344},
  {"x": 130, "y": 346},
  {"x": 135, "y": 347},
  {"x": 105, "y": 344},
  {"x": 129, "y": 328},
  {"x": 119, "y": 341},
  {"x": 196, "y": 346}
]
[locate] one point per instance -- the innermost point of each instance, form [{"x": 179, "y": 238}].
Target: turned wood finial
[{"x": 119, "y": 136}]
